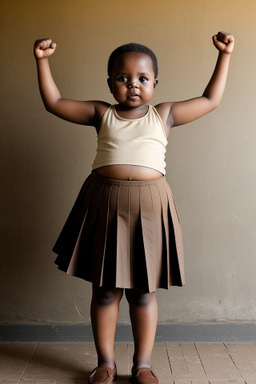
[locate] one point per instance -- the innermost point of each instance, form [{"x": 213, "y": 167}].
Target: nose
[{"x": 133, "y": 84}]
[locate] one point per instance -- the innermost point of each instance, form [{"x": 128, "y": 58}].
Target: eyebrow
[
  {"x": 144, "y": 74},
  {"x": 125, "y": 74}
]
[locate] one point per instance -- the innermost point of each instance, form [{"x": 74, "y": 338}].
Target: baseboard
[{"x": 210, "y": 332}]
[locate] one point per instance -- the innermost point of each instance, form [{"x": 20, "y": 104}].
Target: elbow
[
  {"x": 214, "y": 100},
  {"x": 47, "y": 104},
  {"x": 50, "y": 107},
  {"x": 215, "y": 105},
  {"x": 47, "y": 108}
]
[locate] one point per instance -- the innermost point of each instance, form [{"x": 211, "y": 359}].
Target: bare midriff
[{"x": 128, "y": 172}]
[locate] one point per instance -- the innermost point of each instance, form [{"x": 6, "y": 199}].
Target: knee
[
  {"x": 106, "y": 296},
  {"x": 139, "y": 298}
]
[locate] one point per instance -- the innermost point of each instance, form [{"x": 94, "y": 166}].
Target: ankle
[
  {"x": 137, "y": 364},
  {"x": 107, "y": 363}
]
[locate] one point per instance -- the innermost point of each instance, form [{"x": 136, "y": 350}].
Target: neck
[{"x": 131, "y": 113}]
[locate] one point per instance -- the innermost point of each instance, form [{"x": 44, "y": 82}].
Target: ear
[
  {"x": 155, "y": 83},
  {"x": 109, "y": 84}
]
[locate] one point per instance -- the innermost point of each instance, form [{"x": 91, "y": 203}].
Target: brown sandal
[
  {"x": 144, "y": 376},
  {"x": 102, "y": 375}
]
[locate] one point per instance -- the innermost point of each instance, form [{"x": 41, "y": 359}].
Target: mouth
[{"x": 133, "y": 96}]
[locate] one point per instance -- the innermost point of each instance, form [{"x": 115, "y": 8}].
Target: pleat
[
  {"x": 137, "y": 256},
  {"x": 123, "y": 263},
  {"x": 67, "y": 240},
  {"x": 108, "y": 276},
  {"x": 100, "y": 235},
  {"x": 165, "y": 235},
  {"x": 73, "y": 267},
  {"x": 178, "y": 264},
  {"x": 148, "y": 233},
  {"x": 173, "y": 234},
  {"x": 78, "y": 264},
  {"x": 161, "y": 271},
  {"x": 68, "y": 235}
]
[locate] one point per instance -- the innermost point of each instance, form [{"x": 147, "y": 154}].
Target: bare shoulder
[
  {"x": 100, "y": 108},
  {"x": 96, "y": 107},
  {"x": 164, "y": 110}
]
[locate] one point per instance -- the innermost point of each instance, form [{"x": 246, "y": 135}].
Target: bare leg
[
  {"x": 144, "y": 315},
  {"x": 104, "y": 315}
]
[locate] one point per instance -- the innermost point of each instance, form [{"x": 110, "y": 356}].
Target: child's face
[{"x": 133, "y": 80}]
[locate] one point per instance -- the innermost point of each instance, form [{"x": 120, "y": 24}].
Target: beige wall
[{"x": 211, "y": 162}]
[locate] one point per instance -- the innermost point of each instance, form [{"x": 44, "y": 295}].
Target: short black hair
[{"x": 132, "y": 47}]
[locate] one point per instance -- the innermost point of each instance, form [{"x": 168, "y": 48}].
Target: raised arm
[
  {"x": 183, "y": 112},
  {"x": 80, "y": 112}
]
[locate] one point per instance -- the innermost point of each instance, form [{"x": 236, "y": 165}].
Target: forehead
[{"x": 133, "y": 60}]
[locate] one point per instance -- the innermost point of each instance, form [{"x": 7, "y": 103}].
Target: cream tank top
[{"x": 131, "y": 141}]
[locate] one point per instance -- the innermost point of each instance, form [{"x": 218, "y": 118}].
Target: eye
[
  {"x": 122, "y": 79},
  {"x": 143, "y": 79}
]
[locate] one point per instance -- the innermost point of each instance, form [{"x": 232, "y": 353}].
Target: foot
[
  {"x": 102, "y": 375},
  {"x": 144, "y": 376}
]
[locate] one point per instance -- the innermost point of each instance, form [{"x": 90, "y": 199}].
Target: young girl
[{"x": 123, "y": 233}]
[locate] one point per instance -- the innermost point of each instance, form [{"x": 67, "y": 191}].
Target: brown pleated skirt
[{"x": 123, "y": 234}]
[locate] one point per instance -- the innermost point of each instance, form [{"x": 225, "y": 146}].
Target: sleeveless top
[{"x": 140, "y": 142}]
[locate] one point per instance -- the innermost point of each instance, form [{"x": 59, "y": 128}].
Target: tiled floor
[{"x": 179, "y": 363}]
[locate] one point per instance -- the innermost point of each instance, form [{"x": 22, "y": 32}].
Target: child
[{"x": 123, "y": 233}]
